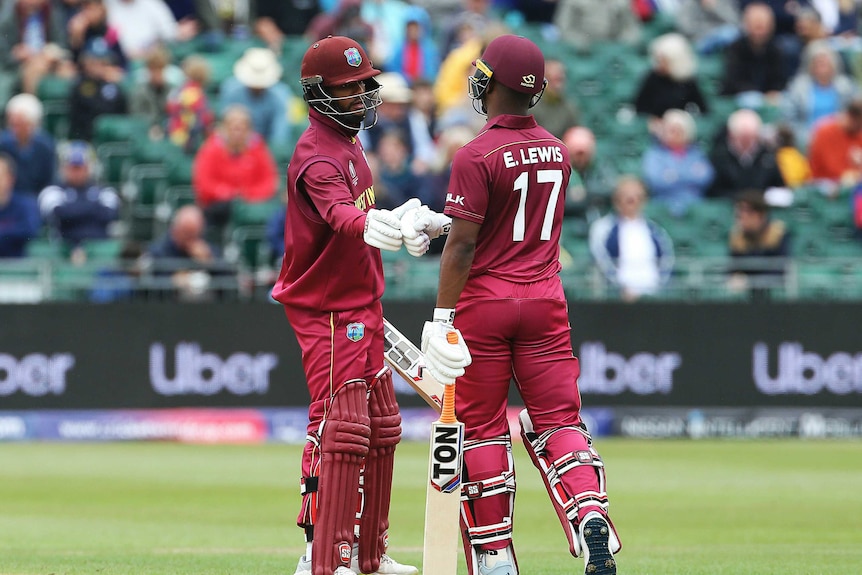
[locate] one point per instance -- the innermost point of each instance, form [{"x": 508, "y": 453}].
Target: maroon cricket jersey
[
  {"x": 327, "y": 266},
  {"x": 512, "y": 179}
]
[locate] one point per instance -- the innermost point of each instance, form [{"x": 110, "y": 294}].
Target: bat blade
[
  {"x": 408, "y": 362},
  {"x": 443, "y": 500}
]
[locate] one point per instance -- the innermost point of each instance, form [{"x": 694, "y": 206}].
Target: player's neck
[{"x": 504, "y": 108}]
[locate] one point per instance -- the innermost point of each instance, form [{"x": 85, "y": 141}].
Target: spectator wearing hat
[
  {"x": 32, "y": 149},
  {"x": 396, "y": 113},
  {"x": 256, "y": 85},
  {"x": 754, "y": 240},
  {"x": 19, "y": 214},
  {"x": 78, "y": 208},
  {"x": 233, "y": 164},
  {"x": 97, "y": 91}
]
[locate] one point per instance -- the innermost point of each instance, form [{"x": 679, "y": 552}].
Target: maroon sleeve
[
  {"x": 327, "y": 191},
  {"x": 468, "y": 187}
]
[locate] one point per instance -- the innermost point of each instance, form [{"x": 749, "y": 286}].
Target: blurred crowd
[{"x": 735, "y": 101}]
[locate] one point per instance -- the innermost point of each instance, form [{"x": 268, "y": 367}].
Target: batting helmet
[
  {"x": 336, "y": 61},
  {"x": 514, "y": 62}
]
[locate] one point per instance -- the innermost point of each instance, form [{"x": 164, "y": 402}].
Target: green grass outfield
[{"x": 735, "y": 507}]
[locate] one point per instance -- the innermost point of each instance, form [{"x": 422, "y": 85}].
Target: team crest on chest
[
  {"x": 355, "y": 331},
  {"x": 354, "y": 58},
  {"x": 352, "y": 169}
]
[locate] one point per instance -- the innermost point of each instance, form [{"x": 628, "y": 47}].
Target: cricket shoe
[
  {"x": 303, "y": 567},
  {"x": 388, "y": 566},
  {"x": 595, "y": 534},
  {"x": 496, "y": 562}
]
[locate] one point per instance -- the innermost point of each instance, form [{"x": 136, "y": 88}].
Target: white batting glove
[
  {"x": 436, "y": 224},
  {"x": 416, "y": 241},
  {"x": 382, "y": 230},
  {"x": 446, "y": 353}
]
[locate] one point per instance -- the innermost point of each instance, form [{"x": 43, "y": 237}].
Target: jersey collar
[{"x": 511, "y": 121}]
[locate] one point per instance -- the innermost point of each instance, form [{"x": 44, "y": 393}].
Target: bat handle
[{"x": 447, "y": 413}]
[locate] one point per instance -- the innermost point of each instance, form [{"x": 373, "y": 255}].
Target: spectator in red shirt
[
  {"x": 232, "y": 164},
  {"x": 835, "y": 151}
]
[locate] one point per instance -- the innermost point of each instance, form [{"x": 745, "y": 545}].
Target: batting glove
[
  {"x": 382, "y": 230},
  {"x": 446, "y": 353},
  {"x": 436, "y": 224},
  {"x": 416, "y": 241}
]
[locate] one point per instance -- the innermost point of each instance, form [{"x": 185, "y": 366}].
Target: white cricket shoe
[
  {"x": 303, "y": 567},
  {"x": 497, "y": 562},
  {"x": 388, "y": 566}
]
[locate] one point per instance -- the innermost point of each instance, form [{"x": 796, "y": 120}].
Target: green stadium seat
[
  {"x": 253, "y": 213},
  {"x": 45, "y": 249},
  {"x": 248, "y": 244},
  {"x": 119, "y": 128},
  {"x": 72, "y": 282},
  {"x": 104, "y": 250}
]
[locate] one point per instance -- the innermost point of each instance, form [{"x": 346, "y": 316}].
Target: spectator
[
  {"x": 710, "y": 25},
  {"x": 96, "y": 92},
  {"x": 395, "y": 182},
  {"x": 397, "y": 113},
  {"x": 835, "y": 152},
  {"x": 78, "y": 208},
  {"x": 556, "y": 111},
  {"x": 676, "y": 171},
  {"x": 593, "y": 178},
  {"x": 190, "y": 118},
  {"x": 185, "y": 256},
  {"x": 32, "y": 44},
  {"x": 388, "y": 20},
  {"x": 198, "y": 18},
  {"x": 792, "y": 163},
  {"x": 91, "y": 22},
  {"x": 19, "y": 214},
  {"x": 255, "y": 84},
  {"x": 233, "y": 164},
  {"x": 435, "y": 184},
  {"x": 273, "y": 20},
  {"x": 672, "y": 82},
  {"x": 741, "y": 160},
  {"x": 753, "y": 63},
  {"x": 32, "y": 149},
  {"x": 787, "y": 16},
  {"x": 470, "y": 19},
  {"x": 755, "y": 236},
  {"x": 143, "y": 24},
  {"x": 345, "y": 20},
  {"x": 416, "y": 55},
  {"x": 150, "y": 95},
  {"x": 120, "y": 282},
  {"x": 820, "y": 89},
  {"x": 587, "y": 22},
  {"x": 634, "y": 253},
  {"x": 424, "y": 104}
]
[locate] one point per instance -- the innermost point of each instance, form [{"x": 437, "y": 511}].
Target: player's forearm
[{"x": 455, "y": 265}]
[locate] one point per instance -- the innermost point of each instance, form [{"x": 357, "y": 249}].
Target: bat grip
[{"x": 447, "y": 413}]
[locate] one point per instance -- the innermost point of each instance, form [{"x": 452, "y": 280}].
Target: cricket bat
[
  {"x": 443, "y": 497},
  {"x": 407, "y": 360}
]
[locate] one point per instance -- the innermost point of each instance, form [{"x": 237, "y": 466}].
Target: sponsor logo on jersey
[
  {"x": 528, "y": 81},
  {"x": 458, "y": 199},
  {"x": 355, "y": 331},
  {"x": 365, "y": 200},
  {"x": 353, "y": 57}
]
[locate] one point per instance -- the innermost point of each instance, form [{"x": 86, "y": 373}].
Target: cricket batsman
[
  {"x": 330, "y": 284},
  {"x": 500, "y": 289}
]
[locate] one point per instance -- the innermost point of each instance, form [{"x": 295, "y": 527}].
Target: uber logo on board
[
  {"x": 203, "y": 373},
  {"x": 35, "y": 374}
]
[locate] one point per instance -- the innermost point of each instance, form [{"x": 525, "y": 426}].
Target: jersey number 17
[{"x": 522, "y": 183}]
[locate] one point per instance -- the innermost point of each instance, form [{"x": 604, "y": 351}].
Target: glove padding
[
  {"x": 424, "y": 219},
  {"x": 446, "y": 353},
  {"x": 383, "y": 227},
  {"x": 416, "y": 241}
]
